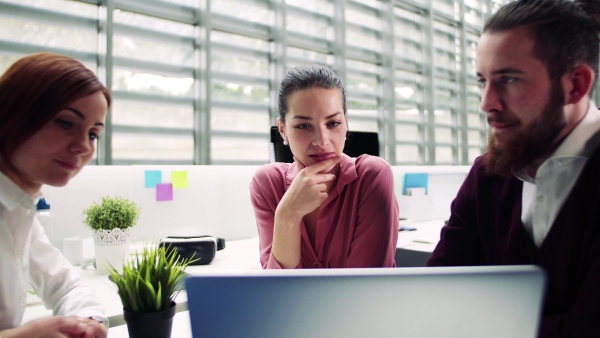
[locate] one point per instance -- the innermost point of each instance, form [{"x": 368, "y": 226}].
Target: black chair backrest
[{"x": 357, "y": 143}]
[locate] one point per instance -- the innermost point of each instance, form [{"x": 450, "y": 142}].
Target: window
[{"x": 195, "y": 82}]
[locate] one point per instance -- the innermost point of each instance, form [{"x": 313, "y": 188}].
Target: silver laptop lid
[{"x": 492, "y": 301}]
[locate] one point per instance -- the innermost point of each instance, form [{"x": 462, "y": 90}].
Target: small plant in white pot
[{"x": 111, "y": 221}]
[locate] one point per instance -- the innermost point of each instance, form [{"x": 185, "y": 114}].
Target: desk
[{"x": 413, "y": 249}]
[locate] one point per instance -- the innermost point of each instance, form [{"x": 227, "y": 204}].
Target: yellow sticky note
[{"x": 179, "y": 179}]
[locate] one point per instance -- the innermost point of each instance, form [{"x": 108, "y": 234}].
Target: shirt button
[
  {"x": 541, "y": 198},
  {"x": 17, "y": 253}
]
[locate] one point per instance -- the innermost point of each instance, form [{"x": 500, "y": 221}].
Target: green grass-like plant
[
  {"x": 149, "y": 281},
  {"x": 111, "y": 213}
]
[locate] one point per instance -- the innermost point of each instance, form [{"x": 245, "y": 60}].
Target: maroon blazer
[{"x": 485, "y": 228}]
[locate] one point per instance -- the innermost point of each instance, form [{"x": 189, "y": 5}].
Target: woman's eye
[
  {"x": 94, "y": 136},
  {"x": 334, "y": 123},
  {"x": 63, "y": 123},
  {"x": 302, "y": 126}
]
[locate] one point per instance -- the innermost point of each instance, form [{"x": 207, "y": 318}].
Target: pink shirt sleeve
[
  {"x": 266, "y": 190},
  {"x": 376, "y": 229}
]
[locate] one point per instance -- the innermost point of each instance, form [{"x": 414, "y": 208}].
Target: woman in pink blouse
[{"x": 325, "y": 210}]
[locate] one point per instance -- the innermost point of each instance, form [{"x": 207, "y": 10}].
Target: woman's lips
[
  {"x": 321, "y": 156},
  {"x": 67, "y": 165}
]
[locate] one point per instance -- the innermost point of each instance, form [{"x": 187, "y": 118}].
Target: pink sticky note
[{"x": 164, "y": 192}]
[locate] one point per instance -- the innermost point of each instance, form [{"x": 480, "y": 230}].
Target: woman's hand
[
  {"x": 306, "y": 193},
  {"x": 58, "y": 327},
  {"x": 308, "y": 190}
]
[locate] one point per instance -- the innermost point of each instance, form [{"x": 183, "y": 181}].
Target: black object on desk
[{"x": 202, "y": 247}]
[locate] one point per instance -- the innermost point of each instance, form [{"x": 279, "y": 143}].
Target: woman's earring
[{"x": 285, "y": 142}]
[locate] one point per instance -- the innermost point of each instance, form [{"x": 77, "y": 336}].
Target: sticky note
[
  {"x": 179, "y": 179},
  {"x": 152, "y": 178},
  {"x": 164, "y": 192},
  {"x": 415, "y": 180}
]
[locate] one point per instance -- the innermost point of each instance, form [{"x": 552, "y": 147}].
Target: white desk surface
[{"x": 238, "y": 256}]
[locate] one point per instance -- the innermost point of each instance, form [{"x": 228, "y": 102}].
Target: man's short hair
[{"x": 565, "y": 32}]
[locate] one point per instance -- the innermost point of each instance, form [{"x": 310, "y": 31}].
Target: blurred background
[{"x": 195, "y": 81}]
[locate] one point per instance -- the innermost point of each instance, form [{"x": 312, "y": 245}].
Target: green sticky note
[{"x": 179, "y": 179}]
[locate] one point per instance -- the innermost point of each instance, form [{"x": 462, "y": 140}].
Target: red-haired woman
[{"x": 52, "y": 109}]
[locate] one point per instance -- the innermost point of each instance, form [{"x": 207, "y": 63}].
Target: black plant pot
[{"x": 150, "y": 324}]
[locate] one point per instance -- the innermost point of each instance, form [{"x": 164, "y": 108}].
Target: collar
[
  {"x": 11, "y": 195},
  {"x": 575, "y": 143},
  {"x": 581, "y": 142}
]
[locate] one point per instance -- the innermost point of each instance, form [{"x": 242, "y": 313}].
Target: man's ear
[{"x": 578, "y": 83}]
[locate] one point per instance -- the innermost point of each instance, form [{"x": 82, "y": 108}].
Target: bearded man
[{"x": 534, "y": 196}]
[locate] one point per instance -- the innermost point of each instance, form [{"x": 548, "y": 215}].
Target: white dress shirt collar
[{"x": 12, "y": 195}]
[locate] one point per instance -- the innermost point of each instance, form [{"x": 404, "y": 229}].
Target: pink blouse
[{"x": 357, "y": 227}]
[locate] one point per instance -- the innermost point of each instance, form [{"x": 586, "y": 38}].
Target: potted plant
[
  {"x": 147, "y": 287},
  {"x": 111, "y": 221}
]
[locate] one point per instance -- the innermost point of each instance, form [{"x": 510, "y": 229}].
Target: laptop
[{"x": 448, "y": 302}]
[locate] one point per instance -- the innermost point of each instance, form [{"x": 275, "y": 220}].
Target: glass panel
[
  {"x": 48, "y": 35},
  {"x": 364, "y": 18},
  {"x": 319, "y": 6},
  {"x": 474, "y": 121},
  {"x": 239, "y": 93},
  {"x": 443, "y": 155},
  {"x": 443, "y": 135},
  {"x": 362, "y": 83},
  {"x": 147, "y": 49},
  {"x": 239, "y": 64},
  {"x": 159, "y": 25},
  {"x": 363, "y": 39},
  {"x": 362, "y": 125},
  {"x": 411, "y": 114},
  {"x": 407, "y": 132},
  {"x": 6, "y": 61},
  {"x": 474, "y": 138},
  {"x": 239, "y": 120},
  {"x": 473, "y": 13},
  {"x": 152, "y": 115},
  {"x": 253, "y": 11},
  {"x": 445, "y": 93},
  {"x": 308, "y": 56},
  {"x": 310, "y": 26},
  {"x": 151, "y": 147},
  {"x": 407, "y": 154},
  {"x": 62, "y": 6},
  {"x": 363, "y": 108},
  {"x": 443, "y": 117},
  {"x": 239, "y": 40},
  {"x": 239, "y": 149},
  {"x": 449, "y": 7},
  {"x": 143, "y": 82}
]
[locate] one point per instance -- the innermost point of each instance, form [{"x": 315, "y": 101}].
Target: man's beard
[{"x": 531, "y": 143}]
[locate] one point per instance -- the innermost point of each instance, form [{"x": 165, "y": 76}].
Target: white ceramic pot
[{"x": 112, "y": 247}]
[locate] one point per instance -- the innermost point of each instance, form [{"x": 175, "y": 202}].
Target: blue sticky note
[
  {"x": 152, "y": 178},
  {"x": 415, "y": 180}
]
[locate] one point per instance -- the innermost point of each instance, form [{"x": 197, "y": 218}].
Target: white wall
[{"x": 216, "y": 203}]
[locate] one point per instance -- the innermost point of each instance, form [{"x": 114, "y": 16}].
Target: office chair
[{"x": 357, "y": 143}]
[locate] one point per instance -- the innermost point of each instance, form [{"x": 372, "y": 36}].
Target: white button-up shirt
[
  {"x": 26, "y": 255},
  {"x": 544, "y": 195}
]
